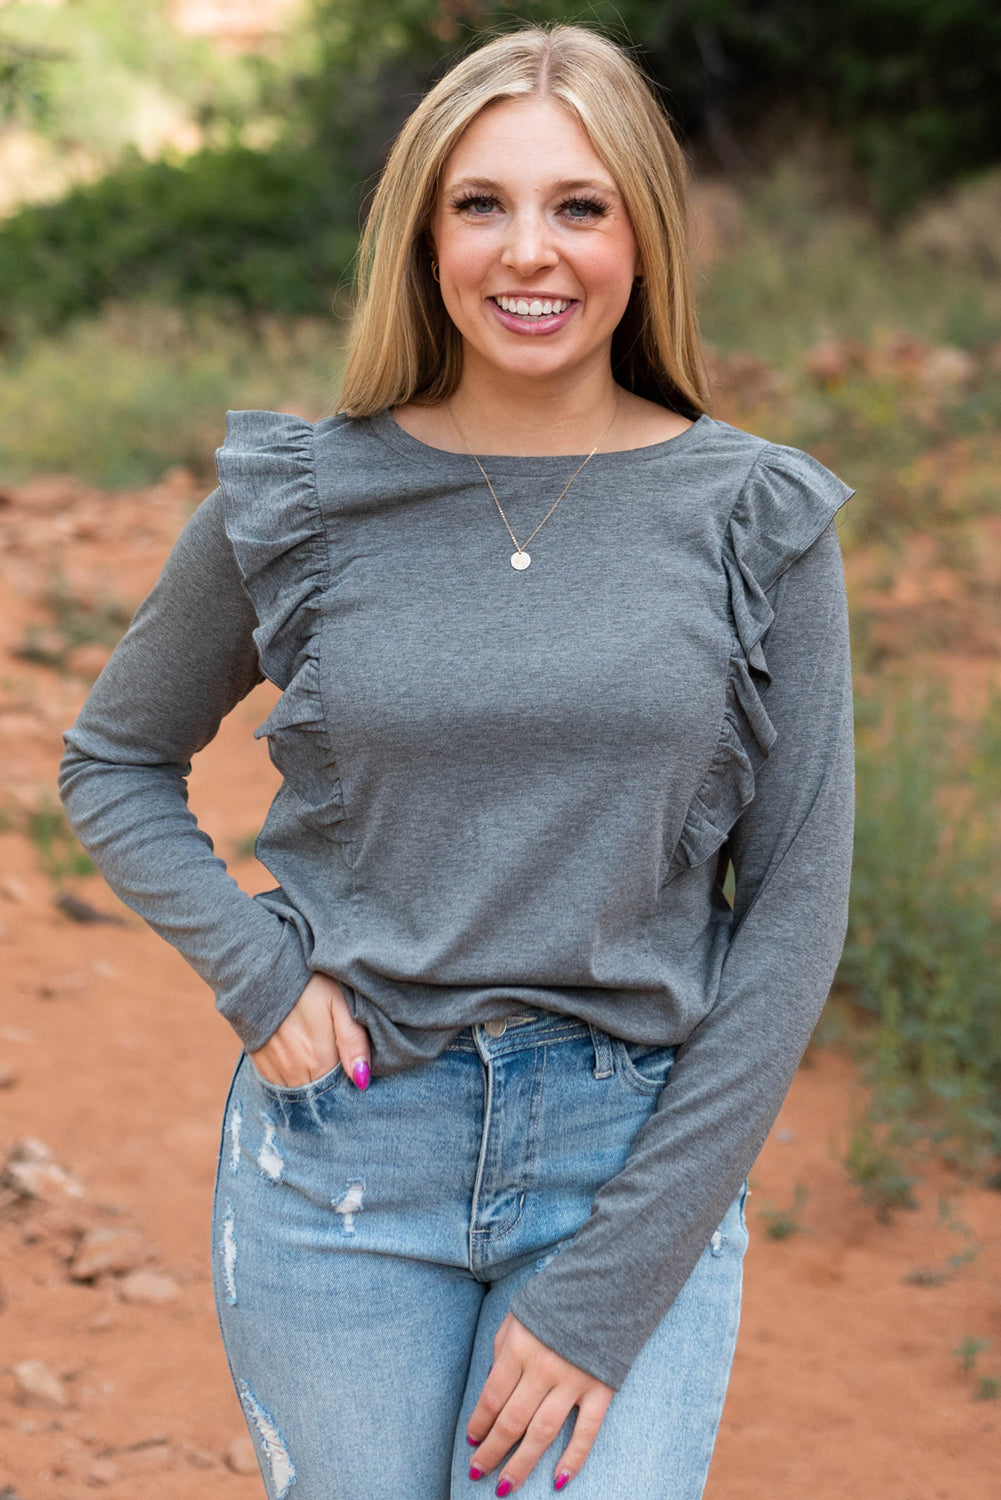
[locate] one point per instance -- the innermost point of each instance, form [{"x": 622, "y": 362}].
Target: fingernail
[
  {"x": 473, "y": 1442},
  {"x": 360, "y": 1074},
  {"x": 504, "y": 1488},
  {"x": 475, "y": 1473},
  {"x": 562, "y": 1478}
]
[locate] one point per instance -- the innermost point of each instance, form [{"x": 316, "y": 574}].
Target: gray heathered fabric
[{"x": 507, "y": 789}]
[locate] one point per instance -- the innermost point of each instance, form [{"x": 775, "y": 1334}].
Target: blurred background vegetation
[{"x": 179, "y": 212}]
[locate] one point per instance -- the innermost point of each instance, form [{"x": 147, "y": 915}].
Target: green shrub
[
  {"x": 94, "y": 74},
  {"x": 807, "y": 265},
  {"x": 923, "y": 954},
  {"x": 74, "y": 621},
  {"x": 259, "y": 230},
  {"x": 876, "y": 1167},
  {"x": 56, "y": 847},
  {"x": 120, "y": 398},
  {"x": 781, "y": 1223}
]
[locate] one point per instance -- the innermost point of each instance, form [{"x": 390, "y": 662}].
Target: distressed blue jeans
[{"x": 367, "y": 1245}]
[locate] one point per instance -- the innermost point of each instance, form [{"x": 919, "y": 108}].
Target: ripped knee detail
[{"x": 276, "y": 1463}]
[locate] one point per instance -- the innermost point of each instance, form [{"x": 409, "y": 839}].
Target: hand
[
  {"x": 318, "y": 1031},
  {"x": 528, "y": 1395}
]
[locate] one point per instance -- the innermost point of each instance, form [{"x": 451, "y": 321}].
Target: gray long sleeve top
[{"x": 510, "y": 788}]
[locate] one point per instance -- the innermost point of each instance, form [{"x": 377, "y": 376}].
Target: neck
[{"x": 534, "y": 420}]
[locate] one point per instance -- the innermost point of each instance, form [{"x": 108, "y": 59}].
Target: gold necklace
[{"x": 520, "y": 559}]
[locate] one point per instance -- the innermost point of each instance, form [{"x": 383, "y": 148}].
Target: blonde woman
[{"x": 556, "y": 650}]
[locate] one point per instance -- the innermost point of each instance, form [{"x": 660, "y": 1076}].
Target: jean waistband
[{"x": 521, "y": 1029}]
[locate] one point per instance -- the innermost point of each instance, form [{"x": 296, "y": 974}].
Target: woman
[{"x": 556, "y": 650}]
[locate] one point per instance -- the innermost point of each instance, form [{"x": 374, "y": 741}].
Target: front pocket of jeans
[
  {"x": 644, "y": 1067},
  {"x": 310, "y": 1090}
]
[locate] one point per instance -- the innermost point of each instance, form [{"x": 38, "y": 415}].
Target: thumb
[{"x": 352, "y": 1044}]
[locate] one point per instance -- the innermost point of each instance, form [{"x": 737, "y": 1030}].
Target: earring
[{"x": 434, "y": 270}]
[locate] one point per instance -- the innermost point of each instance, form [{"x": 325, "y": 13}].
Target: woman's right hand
[{"x": 318, "y": 1032}]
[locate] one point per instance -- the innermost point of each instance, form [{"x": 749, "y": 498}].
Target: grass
[
  {"x": 74, "y": 621},
  {"x": 968, "y": 1352},
  {"x": 923, "y": 955},
  {"x": 806, "y": 264},
  {"x": 122, "y": 397},
  {"x": 59, "y": 855},
  {"x": 873, "y": 351},
  {"x": 876, "y": 1166},
  {"x": 782, "y": 1223},
  {"x": 953, "y": 1264}
]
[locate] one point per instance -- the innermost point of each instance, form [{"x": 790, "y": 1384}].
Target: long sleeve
[
  {"x": 185, "y": 662},
  {"x": 599, "y": 1300}
]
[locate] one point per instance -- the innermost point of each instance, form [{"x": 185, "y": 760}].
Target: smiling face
[{"x": 536, "y": 253}]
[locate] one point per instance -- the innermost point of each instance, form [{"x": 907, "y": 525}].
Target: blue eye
[
  {"x": 581, "y": 209},
  {"x": 478, "y": 206}
]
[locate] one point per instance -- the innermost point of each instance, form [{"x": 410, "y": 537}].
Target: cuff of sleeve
[
  {"x": 258, "y": 1006},
  {"x": 601, "y": 1363}
]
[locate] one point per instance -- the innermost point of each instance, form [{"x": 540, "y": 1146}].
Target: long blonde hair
[{"x": 403, "y": 344}]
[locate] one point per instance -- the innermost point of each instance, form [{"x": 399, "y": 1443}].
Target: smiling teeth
[{"x": 534, "y": 309}]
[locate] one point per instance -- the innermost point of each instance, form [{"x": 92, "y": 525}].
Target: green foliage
[
  {"x": 923, "y": 954},
  {"x": 74, "y": 621},
  {"x": 255, "y": 228},
  {"x": 99, "y": 75},
  {"x": 972, "y": 1247},
  {"x": 57, "y": 850},
  {"x": 939, "y": 1275},
  {"x": 968, "y": 1352},
  {"x": 166, "y": 376},
  {"x": 781, "y": 1223},
  {"x": 807, "y": 265},
  {"x": 21, "y": 72},
  {"x": 875, "y": 1166}
]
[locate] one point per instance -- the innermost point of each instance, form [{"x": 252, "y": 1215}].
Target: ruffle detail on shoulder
[
  {"x": 786, "y": 503},
  {"x": 275, "y": 527},
  {"x": 273, "y": 523}
]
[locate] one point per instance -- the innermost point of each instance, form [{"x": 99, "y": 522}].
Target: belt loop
[{"x": 604, "y": 1063}]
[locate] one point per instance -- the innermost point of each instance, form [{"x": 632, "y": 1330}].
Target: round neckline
[{"x": 386, "y": 427}]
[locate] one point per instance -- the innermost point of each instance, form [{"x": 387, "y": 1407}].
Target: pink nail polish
[
  {"x": 562, "y": 1478},
  {"x": 473, "y": 1442},
  {"x": 361, "y": 1075},
  {"x": 504, "y": 1488},
  {"x": 475, "y": 1473}
]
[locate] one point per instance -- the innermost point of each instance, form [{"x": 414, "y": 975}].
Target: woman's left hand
[{"x": 527, "y": 1396}]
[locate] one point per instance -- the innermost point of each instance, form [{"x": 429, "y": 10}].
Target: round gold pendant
[{"x": 520, "y": 560}]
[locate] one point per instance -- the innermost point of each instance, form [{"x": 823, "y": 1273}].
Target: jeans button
[{"x": 495, "y": 1028}]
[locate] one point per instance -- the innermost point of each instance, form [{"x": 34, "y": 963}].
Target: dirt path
[{"x": 846, "y": 1381}]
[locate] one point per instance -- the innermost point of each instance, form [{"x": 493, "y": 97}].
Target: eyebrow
[{"x": 565, "y": 185}]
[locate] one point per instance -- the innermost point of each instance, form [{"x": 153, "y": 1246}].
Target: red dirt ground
[{"x": 846, "y": 1382}]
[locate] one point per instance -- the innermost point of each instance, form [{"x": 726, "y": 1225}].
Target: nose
[{"x": 529, "y": 245}]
